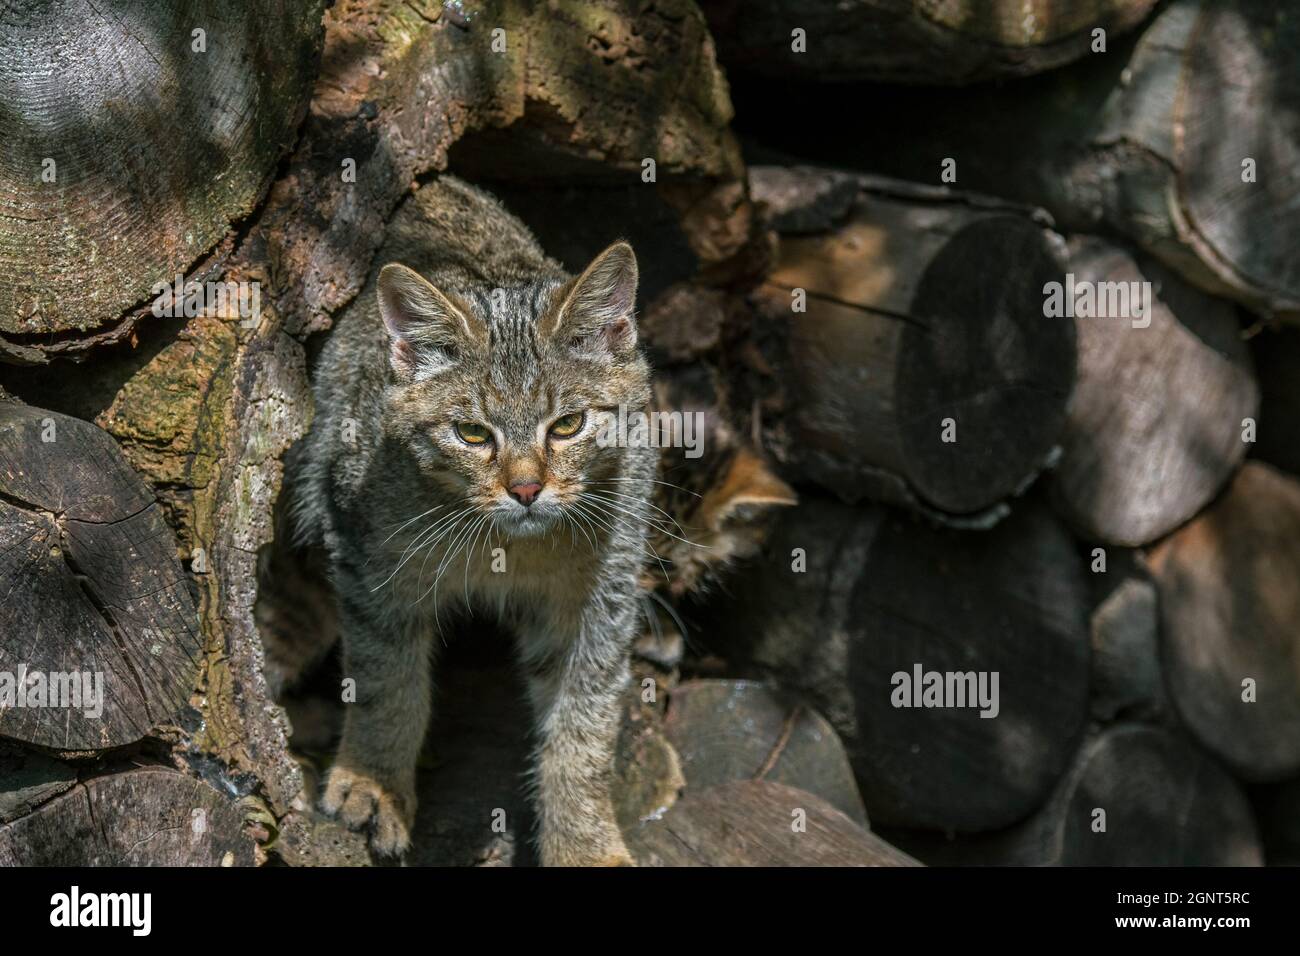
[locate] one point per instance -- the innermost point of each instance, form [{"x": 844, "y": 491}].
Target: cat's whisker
[
  {"x": 648, "y": 504},
  {"x": 672, "y": 612},
  {"x": 429, "y": 548},
  {"x": 590, "y": 496},
  {"x": 422, "y": 539},
  {"x": 653, "y": 481},
  {"x": 609, "y": 516}
]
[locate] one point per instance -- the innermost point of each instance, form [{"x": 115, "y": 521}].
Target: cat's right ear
[{"x": 425, "y": 326}]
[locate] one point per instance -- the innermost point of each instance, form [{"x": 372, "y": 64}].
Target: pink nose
[{"x": 526, "y": 492}]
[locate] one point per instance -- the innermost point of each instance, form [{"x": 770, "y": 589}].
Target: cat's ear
[
  {"x": 596, "y": 308},
  {"x": 424, "y": 324}
]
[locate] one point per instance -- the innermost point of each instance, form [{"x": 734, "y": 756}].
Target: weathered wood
[
  {"x": 98, "y": 615},
  {"x": 758, "y": 823},
  {"x": 146, "y": 817},
  {"x": 28, "y": 780},
  {"x": 1165, "y": 803},
  {"x": 1125, "y": 678},
  {"x": 1163, "y": 390},
  {"x": 883, "y": 594},
  {"x": 907, "y": 41},
  {"x": 1147, "y": 140},
  {"x": 741, "y": 730},
  {"x": 923, "y": 371},
  {"x": 157, "y": 148},
  {"x": 1230, "y": 624}
]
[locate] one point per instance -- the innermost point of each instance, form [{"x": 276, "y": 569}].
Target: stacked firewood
[{"x": 1019, "y": 348}]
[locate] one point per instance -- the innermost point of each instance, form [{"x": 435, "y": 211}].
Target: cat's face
[{"x": 501, "y": 392}]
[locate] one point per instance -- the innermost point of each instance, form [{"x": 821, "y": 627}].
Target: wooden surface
[
  {"x": 1230, "y": 612},
  {"x": 751, "y": 823},
  {"x": 913, "y": 41},
  {"x": 158, "y": 150},
  {"x": 1154, "y": 428},
  {"x": 924, "y": 308},
  {"x": 93, "y": 585},
  {"x": 727, "y": 730},
  {"x": 146, "y": 817},
  {"x": 882, "y": 593}
]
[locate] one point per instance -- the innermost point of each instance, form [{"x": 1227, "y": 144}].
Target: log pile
[{"x": 1036, "y": 601}]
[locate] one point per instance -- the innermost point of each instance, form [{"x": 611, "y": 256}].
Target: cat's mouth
[{"x": 527, "y": 522}]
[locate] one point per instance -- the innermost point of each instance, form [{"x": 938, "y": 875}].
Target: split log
[
  {"x": 1149, "y": 140},
  {"x": 758, "y": 823},
  {"x": 1126, "y": 676},
  {"x": 740, "y": 730},
  {"x": 133, "y": 141},
  {"x": 1163, "y": 390},
  {"x": 1161, "y": 801},
  {"x": 98, "y": 617},
  {"x": 906, "y": 41},
  {"x": 146, "y": 817},
  {"x": 923, "y": 371},
  {"x": 1230, "y": 624},
  {"x": 891, "y": 595}
]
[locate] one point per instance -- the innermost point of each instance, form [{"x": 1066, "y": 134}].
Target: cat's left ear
[{"x": 596, "y": 309}]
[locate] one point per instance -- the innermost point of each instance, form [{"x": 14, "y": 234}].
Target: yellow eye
[
  {"x": 568, "y": 425},
  {"x": 472, "y": 433}
]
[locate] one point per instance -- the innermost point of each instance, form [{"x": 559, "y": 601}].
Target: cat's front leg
[
  {"x": 576, "y": 678},
  {"x": 371, "y": 785}
]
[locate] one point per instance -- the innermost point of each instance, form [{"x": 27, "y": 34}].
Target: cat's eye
[
  {"x": 568, "y": 425},
  {"x": 472, "y": 433}
]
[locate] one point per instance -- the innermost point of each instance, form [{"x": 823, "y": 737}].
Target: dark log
[
  {"x": 1147, "y": 140},
  {"x": 754, "y": 823},
  {"x": 1277, "y": 356},
  {"x": 157, "y": 149},
  {"x": 146, "y": 817},
  {"x": 1230, "y": 624},
  {"x": 96, "y": 603},
  {"x": 28, "y": 780},
  {"x": 727, "y": 730},
  {"x": 1155, "y": 427},
  {"x": 1126, "y": 678},
  {"x": 1278, "y": 810},
  {"x": 923, "y": 371},
  {"x": 906, "y": 41},
  {"x": 883, "y": 594},
  {"x": 1165, "y": 803}
]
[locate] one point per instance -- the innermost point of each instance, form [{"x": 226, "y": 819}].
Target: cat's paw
[{"x": 363, "y": 802}]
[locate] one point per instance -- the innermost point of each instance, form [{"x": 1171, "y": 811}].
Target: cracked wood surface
[{"x": 92, "y": 585}]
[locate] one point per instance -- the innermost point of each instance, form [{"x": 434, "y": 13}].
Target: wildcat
[{"x": 453, "y": 458}]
